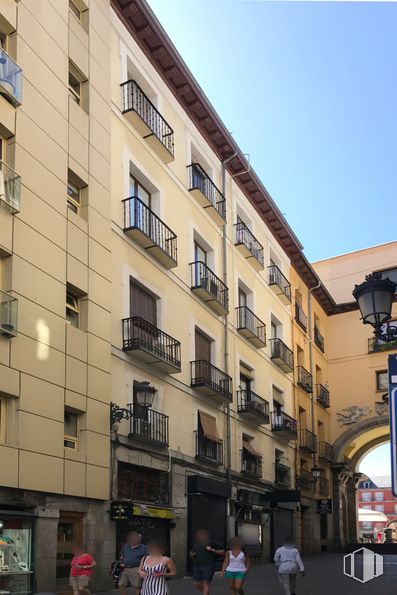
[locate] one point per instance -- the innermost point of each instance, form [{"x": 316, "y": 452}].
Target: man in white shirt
[{"x": 289, "y": 562}]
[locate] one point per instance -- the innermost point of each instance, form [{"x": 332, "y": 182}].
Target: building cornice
[{"x": 146, "y": 30}]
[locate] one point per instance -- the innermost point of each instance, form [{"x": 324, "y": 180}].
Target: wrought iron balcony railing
[
  {"x": 249, "y": 245},
  {"x": 151, "y": 344},
  {"x": 326, "y": 451},
  {"x": 208, "y": 450},
  {"x": 10, "y": 79},
  {"x": 210, "y": 380},
  {"x": 307, "y": 441},
  {"x": 284, "y": 424},
  {"x": 209, "y": 287},
  {"x": 323, "y": 486},
  {"x": 305, "y": 379},
  {"x": 148, "y": 425},
  {"x": 8, "y": 315},
  {"x": 282, "y": 355},
  {"x": 143, "y": 225},
  {"x": 148, "y": 120},
  {"x": 251, "y": 465},
  {"x": 251, "y": 326},
  {"x": 305, "y": 479},
  {"x": 10, "y": 188},
  {"x": 253, "y": 406},
  {"x": 282, "y": 475},
  {"x": 300, "y": 316},
  {"x": 279, "y": 284},
  {"x": 319, "y": 339},
  {"x": 322, "y": 396},
  {"x": 375, "y": 345},
  {"x": 206, "y": 193}
]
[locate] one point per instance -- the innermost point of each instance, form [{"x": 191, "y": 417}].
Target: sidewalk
[{"x": 324, "y": 576}]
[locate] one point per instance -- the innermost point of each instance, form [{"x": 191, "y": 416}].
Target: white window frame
[
  {"x": 73, "y": 439},
  {"x": 74, "y": 307}
]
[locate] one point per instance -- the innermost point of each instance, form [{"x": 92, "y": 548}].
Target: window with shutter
[
  {"x": 143, "y": 304},
  {"x": 202, "y": 346}
]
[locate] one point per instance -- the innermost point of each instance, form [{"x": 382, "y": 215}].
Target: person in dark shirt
[
  {"x": 204, "y": 554},
  {"x": 131, "y": 555}
]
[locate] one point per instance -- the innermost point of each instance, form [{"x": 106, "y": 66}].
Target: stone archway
[{"x": 358, "y": 439}]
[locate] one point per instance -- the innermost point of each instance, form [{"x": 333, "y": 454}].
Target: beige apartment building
[{"x": 168, "y": 355}]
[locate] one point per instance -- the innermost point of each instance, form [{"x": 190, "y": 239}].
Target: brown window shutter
[
  {"x": 208, "y": 426},
  {"x": 142, "y": 304},
  {"x": 247, "y": 445},
  {"x": 202, "y": 347}
]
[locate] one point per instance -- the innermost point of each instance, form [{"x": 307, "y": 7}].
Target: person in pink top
[{"x": 81, "y": 570}]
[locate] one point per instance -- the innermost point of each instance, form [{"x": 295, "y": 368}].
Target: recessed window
[
  {"x": 382, "y": 380},
  {"x": 77, "y": 86},
  {"x": 71, "y": 428},
  {"x": 74, "y": 87},
  {"x": 379, "y": 496},
  {"x": 72, "y": 308},
  {"x": 74, "y": 9},
  {"x": 74, "y": 197},
  {"x": 366, "y": 497}
]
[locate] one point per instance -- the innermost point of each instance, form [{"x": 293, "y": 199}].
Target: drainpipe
[
  {"x": 226, "y": 335},
  {"x": 309, "y": 316}
]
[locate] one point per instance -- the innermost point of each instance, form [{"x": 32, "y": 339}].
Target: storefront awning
[{"x": 208, "y": 425}]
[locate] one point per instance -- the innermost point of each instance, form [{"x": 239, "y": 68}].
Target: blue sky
[
  {"x": 377, "y": 462},
  {"x": 309, "y": 89}
]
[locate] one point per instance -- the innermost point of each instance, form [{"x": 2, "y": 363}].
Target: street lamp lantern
[
  {"x": 144, "y": 393},
  {"x": 375, "y": 298},
  {"x": 316, "y": 472}
]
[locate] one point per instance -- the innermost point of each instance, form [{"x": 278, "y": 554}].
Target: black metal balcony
[
  {"x": 304, "y": 379},
  {"x": 10, "y": 79},
  {"x": 300, "y": 317},
  {"x": 143, "y": 226},
  {"x": 251, "y": 327},
  {"x": 211, "y": 381},
  {"x": 322, "y": 396},
  {"x": 319, "y": 339},
  {"x": 282, "y": 355},
  {"x": 251, "y": 465},
  {"x": 206, "y": 193},
  {"x": 279, "y": 284},
  {"x": 376, "y": 345},
  {"x": 282, "y": 475},
  {"x": 307, "y": 441},
  {"x": 323, "y": 486},
  {"x": 252, "y": 406},
  {"x": 305, "y": 480},
  {"x": 284, "y": 425},
  {"x": 151, "y": 344},
  {"x": 326, "y": 451},
  {"x": 248, "y": 245},
  {"x": 209, "y": 287},
  {"x": 207, "y": 450},
  {"x": 148, "y": 425},
  {"x": 146, "y": 118}
]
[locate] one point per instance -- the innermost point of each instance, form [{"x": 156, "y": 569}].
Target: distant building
[{"x": 375, "y": 494}]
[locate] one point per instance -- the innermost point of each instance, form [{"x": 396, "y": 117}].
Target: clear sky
[
  {"x": 309, "y": 89},
  {"x": 377, "y": 462}
]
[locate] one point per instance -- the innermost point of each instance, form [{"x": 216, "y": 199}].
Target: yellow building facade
[{"x": 169, "y": 360}]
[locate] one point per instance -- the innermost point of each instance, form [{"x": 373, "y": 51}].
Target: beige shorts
[
  {"x": 79, "y": 582},
  {"x": 130, "y": 576}
]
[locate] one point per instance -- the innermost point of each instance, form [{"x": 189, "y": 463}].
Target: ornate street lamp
[
  {"x": 144, "y": 396},
  {"x": 316, "y": 472},
  {"x": 375, "y": 298}
]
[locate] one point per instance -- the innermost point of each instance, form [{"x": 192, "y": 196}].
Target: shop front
[
  {"x": 252, "y": 522},
  {"x": 16, "y": 553},
  {"x": 283, "y": 505}
]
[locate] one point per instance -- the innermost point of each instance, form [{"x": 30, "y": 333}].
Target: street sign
[
  {"x": 324, "y": 506},
  {"x": 393, "y": 419}
]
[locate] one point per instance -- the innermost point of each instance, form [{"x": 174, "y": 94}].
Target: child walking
[
  {"x": 81, "y": 570},
  {"x": 289, "y": 562},
  {"x": 235, "y": 566}
]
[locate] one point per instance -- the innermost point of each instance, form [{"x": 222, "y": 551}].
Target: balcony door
[
  {"x": 139, "y": 215},
  {"x": 200, "y": 271},
  {"x": 143, "y": 305},
  {"x": 203, "y": 355}
]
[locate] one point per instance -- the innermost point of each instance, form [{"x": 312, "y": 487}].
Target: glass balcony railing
[
  {"x": 8, "y": 314},
  {"x": 10, "y": 188},
  {"x": 10, "y": 79}
]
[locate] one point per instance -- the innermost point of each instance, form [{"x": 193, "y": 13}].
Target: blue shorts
[{"x": 203, "y": 573}]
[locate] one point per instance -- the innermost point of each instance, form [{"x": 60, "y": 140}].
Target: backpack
[{"x": 115, "y": 570}]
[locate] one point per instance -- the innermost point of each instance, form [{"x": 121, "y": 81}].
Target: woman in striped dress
[{"x": 155, "y": 568}]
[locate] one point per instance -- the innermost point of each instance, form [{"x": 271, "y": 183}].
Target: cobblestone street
[{"x": 324, "y": 576}]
